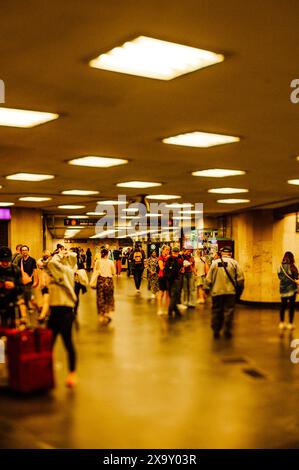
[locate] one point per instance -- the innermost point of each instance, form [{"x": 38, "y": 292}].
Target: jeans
[
  {"x": 137, "y": 277},
  {"x": 188, "y": 288},
  {"x": 175, "y": 289},
  {"x": 223, "y": 307},
  {"x": 284, "y": 305}
]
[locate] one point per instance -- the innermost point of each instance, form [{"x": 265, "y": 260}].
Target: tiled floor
[{"x": 147, "y": 382}]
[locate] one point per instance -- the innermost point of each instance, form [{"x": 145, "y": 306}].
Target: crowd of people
[{"x": 177, "y": 279}]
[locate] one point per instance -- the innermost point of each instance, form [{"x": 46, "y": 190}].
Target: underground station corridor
[
  {"x": 149, "y": 232},
  {"x": 150, "y": 382}
]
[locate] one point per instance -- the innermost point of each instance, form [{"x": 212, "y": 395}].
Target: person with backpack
[
  {"x": 225, "y": 281},
  {"x": 288, "y": 276},
  {"x": 11, "y": 290},
  {"x": 137, "y": 262},
  {"x": 173, "y": 276}
]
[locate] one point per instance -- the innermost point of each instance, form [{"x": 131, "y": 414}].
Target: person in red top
[{"x": 163, "y": 288}]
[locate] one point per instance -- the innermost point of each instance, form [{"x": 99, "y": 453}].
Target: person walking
[
  {"x": 288, "y": 277},
  {"x": 224, "y": 280},
  {"x": 88, "y": 260},
  {"x": 163, "y": 287},
  {"x": 30, "y": 280},
  {"x": 104, "y": 270},
  {"x": 17, "y": 255},
  {"x": 200, "y": 271},
  {"x": 62, "y": 299},
  {"x": 153, "y": 268},
  {"x": 173, "y": 275},
  {"x": 137, "y": 262},
  {"x": 188, "y": 279}
]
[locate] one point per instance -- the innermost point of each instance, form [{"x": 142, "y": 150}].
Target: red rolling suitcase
[{"x": 30, "y": 361}]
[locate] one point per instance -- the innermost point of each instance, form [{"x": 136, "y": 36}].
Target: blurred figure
[
  {"x": 137, "y": 259},
  {"x": 17, "y": 255},
  {"x": 105, "y": 270},
  {"x": 200, "y": 271},
  {"x": 288, "y": 276},
  {"x": 188, "y": 279},
  {"x": 173, "y": 275},
  {"x": 88, "y": 260},
  {"x": 117, "y": 258},
  {"x": 163, "y": 287},
  {"x": 153, "y": 269},
  {"x": 224, "y": 279},
  {"x": 30, "y": 280}
]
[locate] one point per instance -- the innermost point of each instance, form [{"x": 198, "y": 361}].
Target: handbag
[
  {"x": 238, "y": 287},
  {"x": 94, "y": 278},
  {"x": 26, "y": 279}
]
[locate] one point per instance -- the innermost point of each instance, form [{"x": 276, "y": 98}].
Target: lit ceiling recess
[
  {"x": 72, "y": 206},
  {"x": 34, "y": 199},
  {"x": 218, "y": 173},
  {"x": 111, "y": 203},
  {"x": 79, "y": 192},
  {"x": 6, "y": 204},
  {"x": 154, "y": 58},
  {"x": 95, "y": 213},
  {"x": 97, "y": 162},
  {"x": 32, "y": 177},
  {"x": 295, "y": 182},
  {"x": 163, "y": 197},
  {"x": 227, "y": 190},
  {"x": 200, "y": 139},
  {"x": 138, "y": 184},
  {"x": 23, "y": 118},
  {"x": 233, "y": 201}
]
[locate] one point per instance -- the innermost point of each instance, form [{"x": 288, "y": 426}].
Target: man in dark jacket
[
  {"x": 11, "y": 289},
  {"x": 173, "y": 274}
]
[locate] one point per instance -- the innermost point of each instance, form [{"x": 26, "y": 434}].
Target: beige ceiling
[{"x": 45, "y": 47}]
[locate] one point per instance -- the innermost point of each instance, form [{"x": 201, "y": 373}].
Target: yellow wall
[
  {"x": 260, "y": 243},
  {"x": 26, "y": 227}
]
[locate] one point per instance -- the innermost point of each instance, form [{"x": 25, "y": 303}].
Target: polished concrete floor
[{"x": 147, "y": 382}]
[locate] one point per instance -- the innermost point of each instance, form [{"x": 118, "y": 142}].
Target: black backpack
[{"x": 171, "y": 269}]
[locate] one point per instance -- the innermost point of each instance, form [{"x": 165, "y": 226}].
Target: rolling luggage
[{"x": 30, "y": 360}]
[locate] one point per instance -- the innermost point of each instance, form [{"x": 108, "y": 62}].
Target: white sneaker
[
  {"x": 160, "y": 312},
  {"x": 153, "y": 296},
  {"x": 182, "y": 306},
  {"x": 290, "y": 326},
  {"x": 282, "y": 325}
]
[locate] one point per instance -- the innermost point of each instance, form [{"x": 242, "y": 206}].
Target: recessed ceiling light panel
[
  {"x": 79, "y": 192},
  {"x": 228, "y": 190},
  {"x": 34, "y": 199},
  {"x": 6, "y": 204},
  {"x": 71, "y": 206},
  {"x": 233, "y": 201},
  {"x": 97, "y": 162},
  {"x": 154, "y": 58},
  {"x": 138, "y": 184},
  {"x": 24, "y": 118},
  {"x": 218, "y": 173},
  {"x": 163, "y": 197},
  {"x": 32, "y": 177},
  {"x": 200, "y": 139}
]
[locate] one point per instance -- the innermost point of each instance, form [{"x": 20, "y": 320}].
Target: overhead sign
[{"x": 80, "y": 222}]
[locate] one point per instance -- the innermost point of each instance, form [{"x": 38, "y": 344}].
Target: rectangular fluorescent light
[
  {"x": 296, "y": 182},
  {"x": 33, "y": 177},
  {"x": 154, "y": 58},
  {"x": 163, "y": 197},
  {"x": 24, "y": 118},
  {"x": 138, "y": 184},
  {"x": 77, "y": 217},
  {"x": 34, "y": 199},
  {"x": 71, "y": 206},
  {"x": 79, "y": 192},
  {"x": 178, "y": 206},
  {"x": 200, "y": 139},
  {"x": 233, "y": 201},
  {"x": 97, "y": 162},
  {"x": 5, "y": 214},
  {"x": 227, "y": 190},
  {"x": 218, "y": 173},
  {"x": 96, "y": 213},
  {"x": 131, "y": 209},
  {"x": 6, "y": 204},
  {"x": 110, "y": 203}
]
